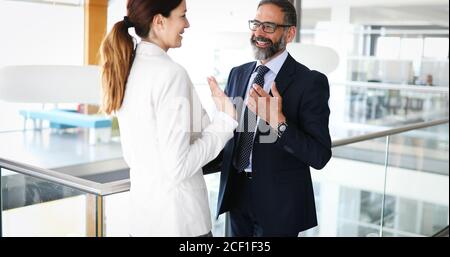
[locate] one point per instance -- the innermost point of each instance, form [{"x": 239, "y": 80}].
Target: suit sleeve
[
  {"x": 308, "y": 138},
  {"x": 201, "y": 122},
  {"x": 183, "y": 157}
]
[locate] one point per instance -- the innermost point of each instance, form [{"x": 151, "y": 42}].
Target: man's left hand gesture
[{"x": 265, "y": 106}]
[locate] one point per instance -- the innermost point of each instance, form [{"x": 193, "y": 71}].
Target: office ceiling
[
  {"x": 404, "y": 15},
  {"x": 365, "y": 3},
  {"x": 416, "y": 15},
  {"x": 366, "y": 12},
  {"x": 56, "y": 2}
]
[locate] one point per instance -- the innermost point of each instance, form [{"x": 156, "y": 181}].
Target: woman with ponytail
[{"x": 166, "y": 136}]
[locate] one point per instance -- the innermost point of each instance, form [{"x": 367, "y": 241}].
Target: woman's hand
[{"x": 221, "y": 100}]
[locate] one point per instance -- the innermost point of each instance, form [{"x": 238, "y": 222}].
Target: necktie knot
[{"x": 262, "y": 70}]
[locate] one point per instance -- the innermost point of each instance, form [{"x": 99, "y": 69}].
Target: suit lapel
[
  {"x": 241, "y": 90},
  {"x": 244, "y": 79},
  {"x": 285, "y": 75}
]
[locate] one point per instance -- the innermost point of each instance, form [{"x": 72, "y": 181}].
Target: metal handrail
[
  {"x": 390, "y": 132},
  {"x": 442, "y": 233},
  {"x": 124, "y": 185},
  {"x": 54, "y": 176},
  {"x": 116, "y": 187}
]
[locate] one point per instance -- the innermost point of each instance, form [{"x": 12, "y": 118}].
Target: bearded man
[{"x": 283, "y": 116}]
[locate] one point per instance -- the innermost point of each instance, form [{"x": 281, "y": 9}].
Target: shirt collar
[
  {"x": 275, "y": 64},
  {"x": 149, "y": 48}
]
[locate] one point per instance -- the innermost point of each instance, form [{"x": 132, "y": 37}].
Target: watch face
[{"x": 282, "y": 127}]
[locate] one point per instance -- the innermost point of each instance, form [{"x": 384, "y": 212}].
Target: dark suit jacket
[{"x": 282, "y": 186}]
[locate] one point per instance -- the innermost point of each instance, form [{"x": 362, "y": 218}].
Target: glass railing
[
  {"x": 417, "y": 183},
  {"x": 371, "y": 187},
  {"x": 348, "y": 192},
  {"x": 116, "y": 221},
  {"x": 39, "y": 202},
  {"x": 36, "y": 207},
  {"x": 390, "y": 183}
]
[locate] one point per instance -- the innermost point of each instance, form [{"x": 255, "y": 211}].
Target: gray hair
[{"x": 290, "y": 15}]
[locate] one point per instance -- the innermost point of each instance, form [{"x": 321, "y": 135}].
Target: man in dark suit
[{"x": 265, "y": 176}]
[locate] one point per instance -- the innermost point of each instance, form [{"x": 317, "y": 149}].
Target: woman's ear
[{"x": 158, "y": 22}]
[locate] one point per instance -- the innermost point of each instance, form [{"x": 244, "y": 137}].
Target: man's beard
[{"x": 266, "y": 53}]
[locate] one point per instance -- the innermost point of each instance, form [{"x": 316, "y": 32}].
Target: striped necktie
[{"x": 245, "y": 146}]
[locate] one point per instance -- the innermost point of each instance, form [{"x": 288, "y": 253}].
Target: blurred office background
[{"x": 393, "y": 73}]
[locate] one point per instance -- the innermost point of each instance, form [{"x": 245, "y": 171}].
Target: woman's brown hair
[{"x": 117, "y": 48}]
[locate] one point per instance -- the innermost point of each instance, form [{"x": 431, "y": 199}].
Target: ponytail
[{"x": 116, "y": 58}]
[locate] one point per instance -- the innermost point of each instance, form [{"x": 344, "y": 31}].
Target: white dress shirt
[
  {"x": 166, "y": 139},
  {"x": 274, "y": 65}
]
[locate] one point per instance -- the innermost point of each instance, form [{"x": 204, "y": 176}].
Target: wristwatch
[{"x": 282, "y": 126}]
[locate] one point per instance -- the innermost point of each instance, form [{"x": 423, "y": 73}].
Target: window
[
  {"x": 45, "y": 34},
  {"x": 436, "y": 48},
  {"x": 388, "y": 47}
]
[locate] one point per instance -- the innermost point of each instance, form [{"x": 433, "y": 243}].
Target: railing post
[
  {"x": 386, "y": 163},
  {"x": 94, "y": 216},
  {"x": 1, "y": 203},
  {"x": 227, "y": 225},
  {"x": 90, "y": 216},
  {"x": 100, "y": 216}
]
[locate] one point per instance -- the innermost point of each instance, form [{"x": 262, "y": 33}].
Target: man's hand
[{"x": 265, "y": 106}]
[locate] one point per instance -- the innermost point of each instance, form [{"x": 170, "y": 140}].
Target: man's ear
[{"x": 291, "y": 34}]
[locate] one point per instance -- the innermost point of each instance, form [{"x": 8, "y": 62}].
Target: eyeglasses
[{"x": 268, "y": 27}]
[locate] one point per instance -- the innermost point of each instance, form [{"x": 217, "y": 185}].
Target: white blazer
[{"x": 166, "y": 139}]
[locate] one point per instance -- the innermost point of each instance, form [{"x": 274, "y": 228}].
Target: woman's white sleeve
[{"x": 181, "y": 157}]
